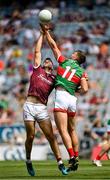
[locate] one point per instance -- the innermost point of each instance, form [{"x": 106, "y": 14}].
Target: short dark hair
[
  {"x": 48, "y": 59},
  {"x": 81, "y": 56}
]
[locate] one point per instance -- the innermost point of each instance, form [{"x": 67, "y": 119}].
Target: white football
[{"x": 45, "y": 16}]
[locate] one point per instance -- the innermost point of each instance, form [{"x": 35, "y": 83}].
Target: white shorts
[
  {"x": 65, "y": 102},
  {"x": 35, "y": 112}
]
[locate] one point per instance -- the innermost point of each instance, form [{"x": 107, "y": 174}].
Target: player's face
[
  {"x": 74, "y": 55},
  {"x": 48, "y": 64}
]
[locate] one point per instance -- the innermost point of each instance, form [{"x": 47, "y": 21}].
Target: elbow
[
  {"x": 37, "y": 51},
  {"x": 84, "y": 90}
]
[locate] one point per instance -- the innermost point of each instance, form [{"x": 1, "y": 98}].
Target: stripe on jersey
[
  {"x": 60, "y": 110},
  {"x": 71, "y": 114},
  {"x": 61, "y": 59},
  {"x": 75, "y": 79}
]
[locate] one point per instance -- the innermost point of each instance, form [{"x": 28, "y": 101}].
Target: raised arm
[
  {"x": 37, "y": 52},
  {"x": 51, "y": 41},
  {"x": 84, "y": 86},
  {"x": 53, "y": 45}
]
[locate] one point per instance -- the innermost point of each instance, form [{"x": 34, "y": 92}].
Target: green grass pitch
[{"x": 48, "y": 170}]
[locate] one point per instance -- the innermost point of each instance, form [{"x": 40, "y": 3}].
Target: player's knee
[
  {"x": 63, "y": 132},
  {"x": 71, "y": 129},
  {"x": 51, "y": 137},
  {"x": 30, "y": 138}
]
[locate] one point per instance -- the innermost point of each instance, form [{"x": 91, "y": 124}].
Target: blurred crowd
[{"x": 76, "y": 25}]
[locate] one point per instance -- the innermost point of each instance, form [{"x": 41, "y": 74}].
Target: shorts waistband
[
  {"x": 60, "y": 88},
  {"x": 33, "y": 99},
  {"x": 35, "y": 104}
]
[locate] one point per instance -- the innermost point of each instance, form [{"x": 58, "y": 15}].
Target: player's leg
[
  {"x": 97, "y": 160},
  {"x": 62, "y": 125},
  {"x": 108, "y": 151},
  {"x": 105, "y": 149},
  {"x": 108, "y": 138},
  {"x": 30, "y": 132},
  {"x": 60, "y": 113},
  {"x": 72, "y": 124},
  {"x": 73, "y": 135},
  {"x": 74, "y": 162},
  {"x": 47, "y": 129}
]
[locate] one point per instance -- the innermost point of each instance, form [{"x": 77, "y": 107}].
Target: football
[{"x": 45, "y": 16}]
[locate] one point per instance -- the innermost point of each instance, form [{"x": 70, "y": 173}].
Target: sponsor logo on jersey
[{"x": 44, "y": 79}]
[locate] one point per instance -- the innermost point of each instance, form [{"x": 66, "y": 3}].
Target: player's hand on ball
[{"x": 45, "y": 27}]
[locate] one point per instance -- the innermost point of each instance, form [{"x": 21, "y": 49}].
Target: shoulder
[
  {"x": 61, "y": 58},
  {"x": 85, "y": 75},
  {"x": 36, "y": 68}
]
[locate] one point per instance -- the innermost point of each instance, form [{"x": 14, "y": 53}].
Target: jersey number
[{"x": 66, "y": 71}]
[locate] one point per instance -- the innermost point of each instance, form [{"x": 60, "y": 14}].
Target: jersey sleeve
[
  {"x": 35, "y": 67},
  {"x": 61, "y": 59},
  {"x": 85, "y": 75}
]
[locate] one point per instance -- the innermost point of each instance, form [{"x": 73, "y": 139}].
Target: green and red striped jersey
[{"x": 69, "y": 74}]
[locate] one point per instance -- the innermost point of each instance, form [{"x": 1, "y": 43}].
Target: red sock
[
  {"x": 98, "y": 157},
  {"x": 71, "y": 152},
  {"x": 76, "y": 154}
]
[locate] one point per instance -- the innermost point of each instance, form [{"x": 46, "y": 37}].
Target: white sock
[{"x": 60, "y": 162}]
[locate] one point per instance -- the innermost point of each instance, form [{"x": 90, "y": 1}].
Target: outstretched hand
[{"x": 44, "y": 27}]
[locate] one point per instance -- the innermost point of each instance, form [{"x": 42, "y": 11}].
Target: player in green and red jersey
[
  {"x": 70, "y": 76},
  {"x": 69, "y": 73}
]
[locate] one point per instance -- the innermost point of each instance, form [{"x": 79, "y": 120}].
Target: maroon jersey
[{"x": 41, "y": 84}]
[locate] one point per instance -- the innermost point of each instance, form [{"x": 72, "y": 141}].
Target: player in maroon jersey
[
  {"x": 35, "y": 109},
  {"x": 70, "y": 75}
]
